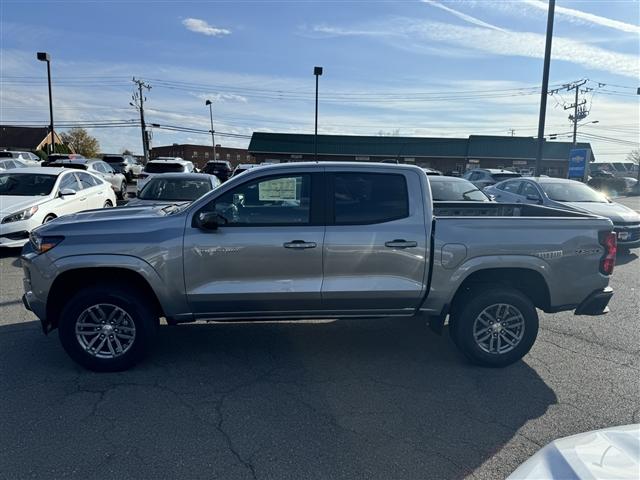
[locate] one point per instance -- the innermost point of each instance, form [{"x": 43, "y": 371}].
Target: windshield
[
  {"x": 571, "y": 192},
  {"x": 164, "y": 168},
  {"x": 455, "y": 190},
  {"x": 26, "y": 184},
  {"x": 174, "y": 189}
]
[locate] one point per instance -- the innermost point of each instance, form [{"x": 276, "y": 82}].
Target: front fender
[{"x": 171, "y": 298}]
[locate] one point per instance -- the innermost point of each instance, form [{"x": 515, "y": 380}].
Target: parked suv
[
  {"x": 124, "y": 164},
  {"x": 219, "y": 168},
  {"x": 483, "y": 177}
]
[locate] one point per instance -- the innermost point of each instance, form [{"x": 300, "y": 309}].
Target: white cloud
[
  {"x": 498, "y": 42},
  {"x": 585, "y": 17},
  {"x": 463, "y": 16},
  {"x": 200, "y": 26}
]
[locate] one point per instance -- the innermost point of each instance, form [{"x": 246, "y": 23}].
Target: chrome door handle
[
  {"x": 299, "y": 244},
  {"x": 399, "y": 243}
]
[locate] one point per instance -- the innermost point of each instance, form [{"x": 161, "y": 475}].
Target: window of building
[
  {"x": 366, "y": 198},
  {"x": 228, "y": 156},
  {"x": 206, "y": 154}
]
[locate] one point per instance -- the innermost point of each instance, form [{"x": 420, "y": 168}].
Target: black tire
[
  {"x": 484, "y": 299},
  {"x": 48, "y": 218},
  {"x": 122, "y": 194},
  {"x": 107, "y": 204},
  {"x": 128, "y": 300}
]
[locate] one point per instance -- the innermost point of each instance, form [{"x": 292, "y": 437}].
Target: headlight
[
  {"x": 23, "y": 215},
  {"x": 43, "y": 244}
]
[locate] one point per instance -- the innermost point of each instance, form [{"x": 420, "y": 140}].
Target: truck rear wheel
[
  {"x": 494, "y": 326},
  {"x": 107, "y": 328}
]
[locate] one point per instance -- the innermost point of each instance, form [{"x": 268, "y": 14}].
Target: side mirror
[
  {"x": 67, "y": 191},
  {"x": 534, "y": 198},
  {"x": 209, "y": 220}
]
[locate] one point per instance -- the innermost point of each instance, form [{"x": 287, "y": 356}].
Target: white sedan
[{"x": 32, "y": 196}]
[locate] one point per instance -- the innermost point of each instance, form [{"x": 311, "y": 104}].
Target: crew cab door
[
  {"x": 265, "y": 256},
  {"x": 375, "y": 249}
]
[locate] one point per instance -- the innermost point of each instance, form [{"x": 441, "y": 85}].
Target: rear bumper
[{"x": 596, "y": 303}]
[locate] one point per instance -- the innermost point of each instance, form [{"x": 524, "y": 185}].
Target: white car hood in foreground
[
  {"x": 16, "y": 203},
  {"x": 612, "y": 453}
]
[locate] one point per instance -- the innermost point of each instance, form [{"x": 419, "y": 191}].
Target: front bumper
[
  {"x": 628, "y": 235},
  {"x": 596, "y": 303},
  {"x": 15, "y": 234}
]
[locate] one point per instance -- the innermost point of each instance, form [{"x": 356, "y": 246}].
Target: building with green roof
[{"x": 444, "y": 154}]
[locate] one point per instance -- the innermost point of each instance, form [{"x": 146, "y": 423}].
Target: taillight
[{"x": 609, "y": 241}]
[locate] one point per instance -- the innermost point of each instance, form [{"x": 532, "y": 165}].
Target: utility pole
[
  {"x": 545, "y": 87},
  {"x": 512, "y": 132},
  {"x": 138, "y": 102},
  {"x": 577, "y": 115}
]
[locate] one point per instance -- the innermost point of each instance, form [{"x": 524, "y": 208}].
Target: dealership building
[{"x": 444, "y": 154}]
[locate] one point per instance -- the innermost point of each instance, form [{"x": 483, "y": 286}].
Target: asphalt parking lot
[{"x": 352, "y": 399}]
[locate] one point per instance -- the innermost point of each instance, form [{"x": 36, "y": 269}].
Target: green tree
[{"x": 80, "y": 140}]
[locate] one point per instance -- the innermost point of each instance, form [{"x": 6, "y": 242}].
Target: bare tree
[{"x": 634, "y": 156}]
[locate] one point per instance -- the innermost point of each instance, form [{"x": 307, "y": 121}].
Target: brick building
[
  {"x": 201, "y": 154},
  {"x": 444, "y": 154}
]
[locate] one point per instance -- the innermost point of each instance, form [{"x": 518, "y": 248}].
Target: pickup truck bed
[{"x": 316, "y": 240}]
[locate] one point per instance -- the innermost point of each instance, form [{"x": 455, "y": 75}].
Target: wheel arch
[
  {"x": 528, "y": 281},
  {"x": 72, "y": 280}
]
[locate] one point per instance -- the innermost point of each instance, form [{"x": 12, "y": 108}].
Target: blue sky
[{"x": 425, "y": 68}]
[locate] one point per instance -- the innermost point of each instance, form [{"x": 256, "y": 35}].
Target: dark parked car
[
  {"x": 54, "y": 157},
  {"x": 483, "y": 177},
  {"x": 220, "y": 168}
]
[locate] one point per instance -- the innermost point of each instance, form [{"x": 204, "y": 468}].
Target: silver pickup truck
[{"x": 315, "y": 240}]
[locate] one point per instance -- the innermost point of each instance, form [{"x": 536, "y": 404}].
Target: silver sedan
[{"x": 570, "y": 195}]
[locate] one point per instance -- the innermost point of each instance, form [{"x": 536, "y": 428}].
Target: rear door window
[
  {"x": 86, "y": 180},
  {"x": 367, "y": 198}
]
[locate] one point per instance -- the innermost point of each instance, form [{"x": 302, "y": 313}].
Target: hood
[
  {"x": 614, "y": 211},
  {"x": 111, "y": 214},
  {"x": 601, "y": 454},
  {"x": 138, "y": 202},
  {"x": 16, "y": 203}
]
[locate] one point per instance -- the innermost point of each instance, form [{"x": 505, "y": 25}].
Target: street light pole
[
  {"x": 317, "y": 71},
  {"x": 545, "y": 87},
  {"x": 45, "y": 57},
  {"x": 213, "y": 138}
]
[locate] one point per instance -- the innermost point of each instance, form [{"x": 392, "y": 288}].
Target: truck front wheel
[
  {"x": 494, "y": 326},
  {"x": 106, "y": 328}
]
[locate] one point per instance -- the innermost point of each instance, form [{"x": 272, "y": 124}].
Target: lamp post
[
  {"x": 317, "y": 71},
  {"x": 45, "y": 57},
  {"x": 213, "y": 138}
]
